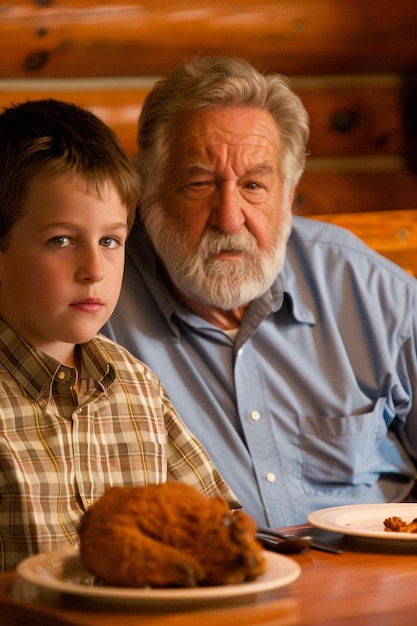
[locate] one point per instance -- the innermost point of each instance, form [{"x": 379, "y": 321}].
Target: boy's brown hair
[{"x": 49, "y": 138}]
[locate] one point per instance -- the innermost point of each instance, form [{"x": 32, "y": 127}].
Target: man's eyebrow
[
  {"x": 260, "y": 168},
  {"x": 197, "y": 167}
]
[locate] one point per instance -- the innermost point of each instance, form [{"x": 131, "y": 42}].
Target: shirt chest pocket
[{"x": 340, "y": 455}]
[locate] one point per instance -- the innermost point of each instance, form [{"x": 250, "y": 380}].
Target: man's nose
[{"x": 227, "y": 212}]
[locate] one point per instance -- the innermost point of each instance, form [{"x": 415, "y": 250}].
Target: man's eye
[
  {"x": 197, "y": 189},
  {"x": 252, "y": 186},
  {"x": 59, "y": 242},
  {"x": 110, "y": 242},
  {"x": 198, "y": 184}
]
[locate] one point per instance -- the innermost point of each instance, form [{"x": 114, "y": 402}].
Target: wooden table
[{"x": 367, "y": 585}]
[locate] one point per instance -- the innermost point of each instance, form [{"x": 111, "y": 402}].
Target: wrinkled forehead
[
  {"x": 221, "y": 135},
  {"x": 228, "y": 123}
]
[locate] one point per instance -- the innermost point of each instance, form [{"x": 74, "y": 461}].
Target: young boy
[{"x": 77, "y": 412}]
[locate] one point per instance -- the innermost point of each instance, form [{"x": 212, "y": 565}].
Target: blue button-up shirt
[{"x": 313, "y": 403}]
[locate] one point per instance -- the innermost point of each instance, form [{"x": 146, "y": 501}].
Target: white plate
[
  {"x": 63, "y": 571},
  {"x": 366, "y": 520}
]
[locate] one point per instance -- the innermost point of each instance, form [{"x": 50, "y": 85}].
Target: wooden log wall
[{"x": 353, "y": 62}]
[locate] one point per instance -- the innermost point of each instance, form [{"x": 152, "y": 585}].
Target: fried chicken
[
  {"x": 168, "y": 535},
  {"x": 396, "y": 524}
]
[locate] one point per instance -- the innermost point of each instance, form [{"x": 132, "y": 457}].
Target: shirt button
[
  {"x": 89, "y": 502},
  {"x": 61, "y": 375},
  {"x": 270, "y": 477},
  {"x": 79, "y": 410},
  {"x": 255, "y": 416}
]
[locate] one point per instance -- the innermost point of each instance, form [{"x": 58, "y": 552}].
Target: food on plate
[
  {"x": 396, "y": 524},
  {"x": 168, "y": 535}
]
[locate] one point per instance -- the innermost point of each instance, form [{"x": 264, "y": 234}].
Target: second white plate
[{"x": 366, "y": 520}]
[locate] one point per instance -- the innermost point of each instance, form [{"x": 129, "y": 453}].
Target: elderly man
[{"x": 287, "y": 346}]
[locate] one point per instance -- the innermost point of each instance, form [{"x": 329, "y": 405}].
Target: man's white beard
[{"x": 223, "y": 283}]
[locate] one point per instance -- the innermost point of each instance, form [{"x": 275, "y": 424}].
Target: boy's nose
[{"x": 91, "y": 267}]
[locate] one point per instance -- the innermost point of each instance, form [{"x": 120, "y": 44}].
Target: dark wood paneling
[
  {"x": 355, "y": 115},
  {"x": 353, "y": 191},
  {"x": 57, "y": 38}
]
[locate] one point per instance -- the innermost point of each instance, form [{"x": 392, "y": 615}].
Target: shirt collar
[
  {"x": 36, "y": 371},
  {"x": 299, "y": 309}
]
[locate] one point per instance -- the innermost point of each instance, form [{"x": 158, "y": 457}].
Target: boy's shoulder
[{"x": 122, "y": 359}]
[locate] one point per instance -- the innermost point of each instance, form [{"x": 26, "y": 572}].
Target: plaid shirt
[{"x": 60, "y": 450}]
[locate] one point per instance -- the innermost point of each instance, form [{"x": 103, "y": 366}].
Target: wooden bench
[{"x": 353, "y": 62}]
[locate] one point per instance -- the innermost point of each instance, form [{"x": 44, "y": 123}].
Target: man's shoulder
[
  {"x": 310, "y": 230},
  {"x": 324, "y": 242}
]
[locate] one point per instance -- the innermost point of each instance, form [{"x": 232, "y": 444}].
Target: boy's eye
[
  {"x": 110, "y": 242},
  {"x": 60, "y": 242}
]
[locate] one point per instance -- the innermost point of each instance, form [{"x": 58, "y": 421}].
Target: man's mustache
[{"x": 215, "y": 243}]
